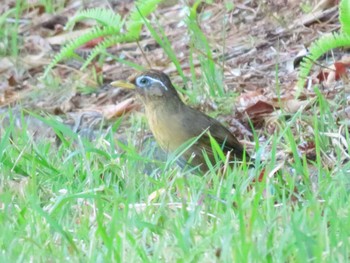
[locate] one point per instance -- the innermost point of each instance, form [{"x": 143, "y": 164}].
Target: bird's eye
[{"x": 143, "y": 81}]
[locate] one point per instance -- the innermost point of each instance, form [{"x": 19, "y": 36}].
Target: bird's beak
[{"x": 122, "y": 84}]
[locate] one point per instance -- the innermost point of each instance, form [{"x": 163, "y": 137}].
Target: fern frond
[
  {"x": 319, "y": 48},
  {"x": 135, "y": 21},
  {"x": 106, "y": 43},
  {"x": 110, "y": 30},
  {"x": 344, "y": 16},
  {"x": 68, "y": 50},
  {"x": 104, "y": 17},
  {"x": 133, "y": 26}
]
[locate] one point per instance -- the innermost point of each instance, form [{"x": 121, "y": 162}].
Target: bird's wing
[{"x": 220, "y": 133}]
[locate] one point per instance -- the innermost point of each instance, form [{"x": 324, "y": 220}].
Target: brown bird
[{"x": 173, "y": 123}]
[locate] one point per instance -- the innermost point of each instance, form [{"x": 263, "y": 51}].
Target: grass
[
  {"x": 8, "y": 33},
  {"x": 11, "y": 39},
  {"x": 84, "y": 201},
  {"x": 91, "y": 201}
]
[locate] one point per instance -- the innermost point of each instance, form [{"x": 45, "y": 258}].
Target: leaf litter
[{"x": 256, "y": 44}]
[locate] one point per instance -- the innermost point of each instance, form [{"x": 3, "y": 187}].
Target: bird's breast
[{"x": 167, "y": 128}]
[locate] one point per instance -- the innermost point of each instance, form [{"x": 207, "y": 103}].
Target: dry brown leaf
[
  {"x": 54, "y": 21},
  {"x": 8, "y": 96},
  {"x": 248, "y": 99},
  {"x": 112, "y": 111},
  {"x": 333, "y": 73},
  {"x": 12, "y": 81},
  {"x": 32, "y": 61},
  {"x": 290, "y": 105},
  {"x": 324, "y": 4},
  {"x": 93, "y": 43},
  {"x": 293, "y": 106},
  {"x": 63, "y": 38},
  {"x": 309, "y": 149},
  {"x": 258, "y": 109}
]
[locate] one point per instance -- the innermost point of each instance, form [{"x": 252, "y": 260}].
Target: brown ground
[{"x": 256, "y": 49}]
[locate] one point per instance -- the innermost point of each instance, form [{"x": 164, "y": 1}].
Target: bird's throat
[{"x": 165, "y": 121}]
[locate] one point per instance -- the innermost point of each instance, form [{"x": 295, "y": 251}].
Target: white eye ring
[
  {"x": 143, "y": 81},
  {"x": 148, "y": 80}
]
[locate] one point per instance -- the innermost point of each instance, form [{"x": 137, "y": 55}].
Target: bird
[{"x": 173, "y": 123}]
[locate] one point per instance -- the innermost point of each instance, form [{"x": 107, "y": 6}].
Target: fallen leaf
[
  {"x": 340, "y": 69},
  {"x": 324, "y": 4},
  {"x": 63, "y": 38},
  {"x": 54, "y": 21},
  {"x": 309, "y": 149},
  {"x": 335, "y": 72},
  {"x": 248, "y": 99},
  {"x": 12, "y": 81},
  {"x": 260, "y": 108},
  {"x": 113, "y": 111},
  {"x": 93, "y": 43},
  {"x": 290, "y": 105}
]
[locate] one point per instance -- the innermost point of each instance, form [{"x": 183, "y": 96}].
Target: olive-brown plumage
[{"x": 173, "y": 123}]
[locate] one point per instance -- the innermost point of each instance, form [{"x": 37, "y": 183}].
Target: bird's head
[{"x": 151, "y": 85}]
